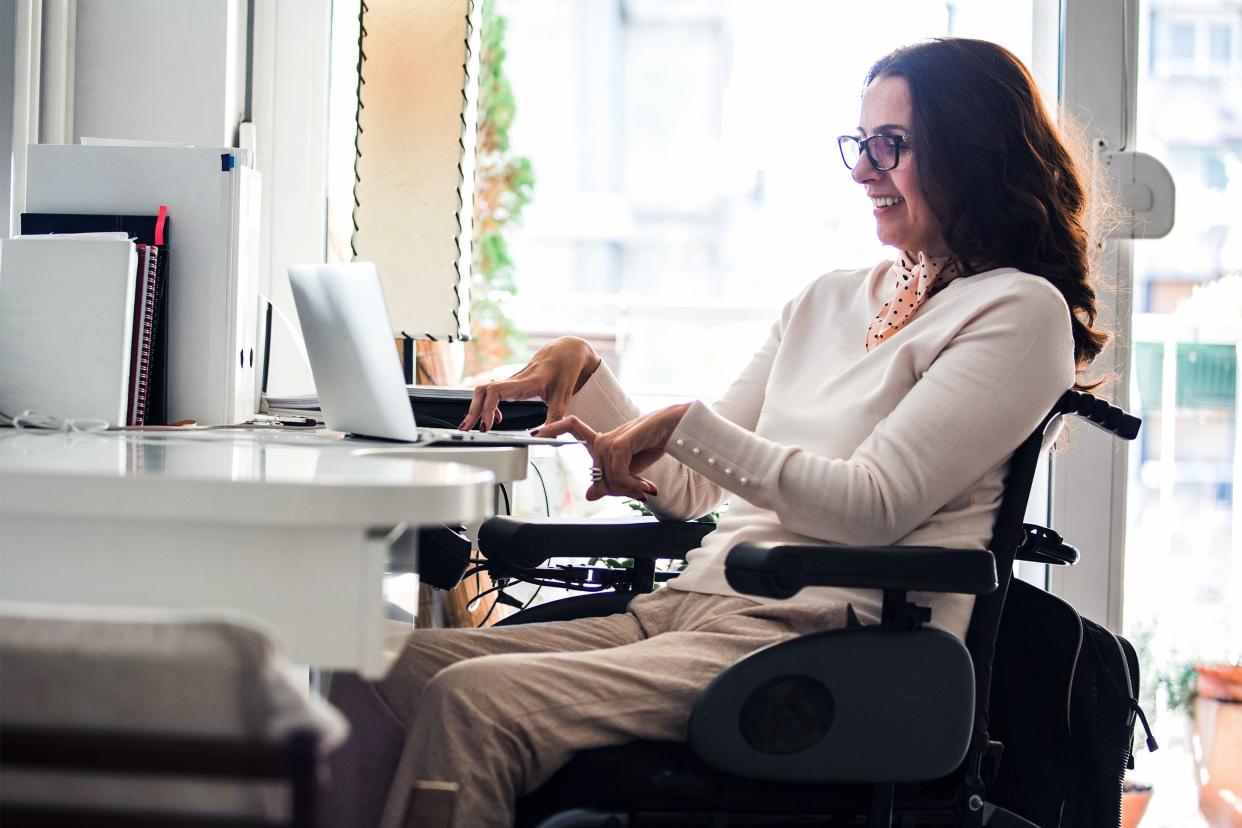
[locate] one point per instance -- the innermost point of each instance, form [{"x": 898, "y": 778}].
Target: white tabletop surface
[
  {"x": 294, "y": 529},
  {"x": 236, "y": 476}
]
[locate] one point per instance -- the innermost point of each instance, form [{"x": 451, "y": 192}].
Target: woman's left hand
[{"x": 625, "y": 452}]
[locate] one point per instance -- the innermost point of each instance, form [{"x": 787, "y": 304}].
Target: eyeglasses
[{"x": 883, "y": 151}]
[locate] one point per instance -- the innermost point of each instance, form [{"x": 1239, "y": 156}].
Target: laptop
[{"x": 355, "y": 366}]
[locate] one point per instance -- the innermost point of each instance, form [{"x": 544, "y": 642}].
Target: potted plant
[
  {"x": 1216, "y": 713},
  {"x": 1135, "y": 797},
  {"x": 1211, "y": 696}
]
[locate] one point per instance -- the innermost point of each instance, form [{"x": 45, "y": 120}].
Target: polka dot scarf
[{"x": 916, "y": 282}]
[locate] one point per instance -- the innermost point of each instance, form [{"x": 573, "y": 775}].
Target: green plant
[
  {"x": 1180, "y": 686},
  {"x": 1142, "y": 636},
  {"x": 504, "y": 185}
]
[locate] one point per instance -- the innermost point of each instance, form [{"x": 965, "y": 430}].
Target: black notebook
[{"x": 148, "y": 396}]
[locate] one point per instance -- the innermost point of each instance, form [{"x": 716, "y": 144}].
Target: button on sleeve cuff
[{"x": 729, "y": 455}]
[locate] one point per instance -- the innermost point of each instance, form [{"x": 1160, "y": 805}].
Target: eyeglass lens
[{"x": 881, "y": 151}]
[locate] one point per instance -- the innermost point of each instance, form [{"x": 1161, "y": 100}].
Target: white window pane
[
  {"x": 685, "y": 157},
  {"x": 1183, "y": 555}
]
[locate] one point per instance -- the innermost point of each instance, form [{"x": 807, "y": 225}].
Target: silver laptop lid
[{"x": 353, "y": 359}]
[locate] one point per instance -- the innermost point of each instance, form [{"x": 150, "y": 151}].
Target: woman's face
[{"x": 903, "y": 218}]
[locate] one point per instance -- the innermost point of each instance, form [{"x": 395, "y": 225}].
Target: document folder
[{"x": 67, "y": 326}]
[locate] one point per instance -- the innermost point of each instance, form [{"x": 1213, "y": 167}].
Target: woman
[{"x": 882, "y": 410}]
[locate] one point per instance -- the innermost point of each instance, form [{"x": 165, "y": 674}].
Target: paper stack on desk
[{"x": 67, "y": 325}]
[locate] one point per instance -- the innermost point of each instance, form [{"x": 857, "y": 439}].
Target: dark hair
[{"x": 997, "y": 173}]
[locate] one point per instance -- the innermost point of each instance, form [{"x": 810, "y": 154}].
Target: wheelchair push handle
[{"x": 1100, "y": 413}]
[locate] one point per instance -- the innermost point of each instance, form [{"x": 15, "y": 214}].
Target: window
[
  {"x": 1194, "y": 43},
  {"x": 1220, "y": 44},
  {"x": 1183, "y": 539},
  {"x": 688, "y": 182}
]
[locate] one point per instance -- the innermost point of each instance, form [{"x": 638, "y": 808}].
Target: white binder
[
  {"x": 213, "y": 211},
  {"x": 66, "y": 325}
]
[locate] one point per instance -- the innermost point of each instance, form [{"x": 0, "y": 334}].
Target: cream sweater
[{"x": 820, "y": 440}]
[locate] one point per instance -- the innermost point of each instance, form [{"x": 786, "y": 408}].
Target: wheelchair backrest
[{"x": 1009, "y": 533}]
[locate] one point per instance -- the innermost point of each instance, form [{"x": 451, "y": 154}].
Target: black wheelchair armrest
[
  {"x": 528, "y": 542},
  {"x": 781, "y": 571}
]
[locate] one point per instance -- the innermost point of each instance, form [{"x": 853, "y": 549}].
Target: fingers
[
  {"x": 569, "y": 425},
  {"x": 612, "y": 453},
  {"x": 475, "y": 410},
  {"x": 605, "y": 487},
  {"x": 614, "y": 457},
  {"x": 484, "y": 405},
  {"x": 556, "y": 407}
]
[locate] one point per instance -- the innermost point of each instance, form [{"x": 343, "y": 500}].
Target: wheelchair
[{"x": 879, "y": 725}]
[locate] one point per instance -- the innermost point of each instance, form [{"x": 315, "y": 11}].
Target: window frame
[
  {"x": 1099, "y": 63},
  {"x": 289, "y": 87}
]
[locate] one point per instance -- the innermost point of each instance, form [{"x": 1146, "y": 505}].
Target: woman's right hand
[{"x": 554, "y": 374}]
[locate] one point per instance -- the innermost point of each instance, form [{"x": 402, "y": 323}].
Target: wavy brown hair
[{"x": 997, "y": 172}]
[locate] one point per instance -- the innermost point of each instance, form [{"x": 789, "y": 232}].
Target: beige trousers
[{"x": 499, "y": 710}]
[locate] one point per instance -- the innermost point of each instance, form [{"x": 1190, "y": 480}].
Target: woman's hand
[
  {"x": 625, "y": 452},
  {"x": 555, "y": 373}
]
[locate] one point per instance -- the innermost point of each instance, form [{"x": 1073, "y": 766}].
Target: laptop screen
[{"x": 353, "y": 359}]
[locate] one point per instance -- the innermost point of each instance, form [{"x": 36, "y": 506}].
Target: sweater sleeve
[
  {"x": 982, "y": 395},
  {"x": 685, "y": 494},
  {"x": 602, "y": 404}
]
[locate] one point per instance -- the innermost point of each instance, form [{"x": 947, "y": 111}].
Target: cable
[
  {"x": 490, "y": 610},
  {"x": 30, "y": 420},
  {"x": 505, "y": 493},
  {"x": 547, "y": 506},
  {"x": 580, "y": 586},
  {"x": 474, "y": 602},
  {"x": 531, "y": 599}
]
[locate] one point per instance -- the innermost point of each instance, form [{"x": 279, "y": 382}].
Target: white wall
[
  {"x": 178, "y": 71},
  {"x": 160, "y": 70},
  {"x": 8, "y": 25}
]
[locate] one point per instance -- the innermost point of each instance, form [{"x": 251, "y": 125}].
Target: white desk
[
  {"x": 507, "y": 463},
  {"x": 291, "y": 529}
]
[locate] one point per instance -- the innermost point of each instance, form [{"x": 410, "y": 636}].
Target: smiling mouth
[{"x": 887, "y": 201}]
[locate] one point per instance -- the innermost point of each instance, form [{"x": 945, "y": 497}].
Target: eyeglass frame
[{"x": 899, "y": 141}]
